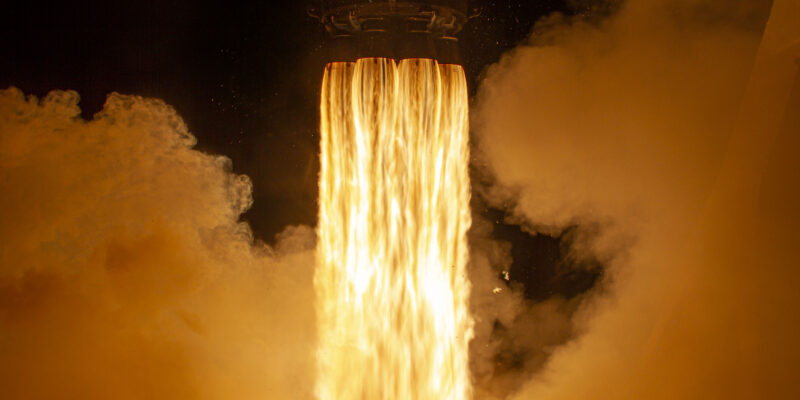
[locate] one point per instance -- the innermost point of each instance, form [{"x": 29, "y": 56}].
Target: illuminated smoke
[
  {"x": 654, "y": 130},
  {"x": 124, "y": 272},
  {"x": 394, "y": 211}
]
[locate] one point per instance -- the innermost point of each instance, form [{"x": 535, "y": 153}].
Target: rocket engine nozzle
[{"x": 393, "y": 29}]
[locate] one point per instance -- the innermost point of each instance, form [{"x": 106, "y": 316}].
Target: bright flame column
[{"x": 393, "y": 215}]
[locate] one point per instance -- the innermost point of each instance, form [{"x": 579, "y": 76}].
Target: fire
[{"x": 393, "y": 215}]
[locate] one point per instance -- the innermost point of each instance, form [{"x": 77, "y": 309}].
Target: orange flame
[{"x": 393, "y": 215}]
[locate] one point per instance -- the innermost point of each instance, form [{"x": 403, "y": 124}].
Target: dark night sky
[{"x": 245, "y": 77}]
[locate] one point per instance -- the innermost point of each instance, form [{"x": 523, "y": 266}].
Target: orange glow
[{"x": 393, "y": 215}]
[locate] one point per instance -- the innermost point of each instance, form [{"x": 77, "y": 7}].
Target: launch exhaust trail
[
  {"x": 394, "y": 211},
  {"x": 392, "y": 291}
]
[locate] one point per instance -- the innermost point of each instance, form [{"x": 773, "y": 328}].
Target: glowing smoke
[
  {"x": 125, "y": 273},
  {"x": 623, "y": 125}
]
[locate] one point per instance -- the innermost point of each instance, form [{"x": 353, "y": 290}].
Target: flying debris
[{"x": 394, "y": 29}]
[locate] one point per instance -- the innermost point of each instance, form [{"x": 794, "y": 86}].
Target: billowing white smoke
[
  {"x": 124, "y": 272},
  {"x": 623, "y": 125}
]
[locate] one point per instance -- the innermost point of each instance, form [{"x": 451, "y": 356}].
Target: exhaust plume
[
  {"x": 394, "y": 212},
  {"x": 654, "y": 128}
]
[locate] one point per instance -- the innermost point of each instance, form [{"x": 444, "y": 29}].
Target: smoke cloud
[
  {"x": 653, "y": 133},
  {"x": 124, "y": 270}
]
